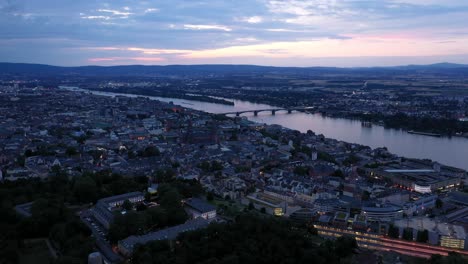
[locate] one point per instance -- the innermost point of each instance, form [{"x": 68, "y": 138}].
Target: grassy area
[
  {"x": 35, "y": 252},
  {"x": 228, "y": 208}
]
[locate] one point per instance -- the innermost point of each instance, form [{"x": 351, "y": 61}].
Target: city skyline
[{"x": 280, "y": 33}]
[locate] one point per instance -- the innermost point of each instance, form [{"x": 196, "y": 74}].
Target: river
[{"x": 450, "y": 151}]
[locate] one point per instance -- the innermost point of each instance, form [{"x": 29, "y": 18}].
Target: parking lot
[
  {"x": 100, "y": 234},
  {"x": 98, "y": 230}
]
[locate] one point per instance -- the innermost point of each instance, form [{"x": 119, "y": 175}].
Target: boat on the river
[
  {"x": 424, "y": 133},
  {"x": 366, "y": 124}
]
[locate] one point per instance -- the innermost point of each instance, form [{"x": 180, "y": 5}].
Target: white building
[
  {"x": 384, "y": 214},
  {"x": 199, "y": 208}
]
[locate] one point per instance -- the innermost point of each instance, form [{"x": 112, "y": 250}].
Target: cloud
[
  {"x": 251, "y": 39},
  {"x": 144, "y": 51},
  {"x": 206, "y": 27},
  {"x": 126, "y": 59},
  {"x": 115, "y": 12},
  {"x": 101, "y": 59},
  {"x": 182, "y": 31},
  {"x": 157, "y": 51},
  {"x": 253, "y": 19},
  {"x": 151, "y": 10},
  {"x": 432, "y": 2},
  {"x": 96, "y": 17},
  {"x": 364, "y": 45}
]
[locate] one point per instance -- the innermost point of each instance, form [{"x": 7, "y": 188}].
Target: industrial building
[{"x": 420, "y": 176}]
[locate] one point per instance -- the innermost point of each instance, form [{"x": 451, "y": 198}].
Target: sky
[{"x": 342, "y": 33}]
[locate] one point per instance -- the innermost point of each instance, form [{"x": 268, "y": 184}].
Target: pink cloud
[
  {"x": 125, "y": 59},
  {"x": 101, "y": 59},
  {"x": 146, "y": 59}
]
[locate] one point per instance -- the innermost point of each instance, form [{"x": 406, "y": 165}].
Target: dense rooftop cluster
[{"x": 240, "y": 165}]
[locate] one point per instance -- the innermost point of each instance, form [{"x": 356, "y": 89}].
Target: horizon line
[{"x": 232, "y": 64}]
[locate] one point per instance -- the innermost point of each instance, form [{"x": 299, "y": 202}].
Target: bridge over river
[{"x": 272, "y": 110}]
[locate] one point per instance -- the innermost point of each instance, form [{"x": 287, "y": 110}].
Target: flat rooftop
[
  {"x": 168, "y": 233},
  {"x": 431, "y": 225},
  {"x": 266, "y": 199},
  {"x": 120, "y": 197},
  {"x": 419, "y": 172},
  {"x": 200, "y": 205},
  {"x": 408, "y": 171}
]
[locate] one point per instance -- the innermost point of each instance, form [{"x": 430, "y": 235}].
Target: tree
[
  {"x": 127, "y": 205},
  {"x": 141, "y": 207},
  {"x": 365, "y": 196},
  {"x": 436, "y": 259},
  {"x": 393, "y": 231},
  {"x": 28, "y": 153},
  {"x": 170, "y": 201},
  {"x": 452, "y": 258},
  {"x": 45, "y": 213},
  {"x": 70, "y": 151},
  {"x": 81, "y": 140},
  {"x": 338, "y": 173},
  {"x": 351, "y": 159},
  {"x": 408, "y": 234},
  {"x": 204, "y": 166},
  {"x": 148, "y": 196},
  {"x": 150, "y": 151},
  {"x": 85, "y": 189},
  {"x": 131, "y": 154},
  {"x": 209, "y": 196},
  {"x": 165, "y": 175},
  {"x": 326, "y": 157},
  {"x": 216, "y": 166},
  {"x": 345, "y": 246},
  {"x": 301, "y": 170},
  {"x": 249, "y": 238},
  {"x": 422, "y": 236},
  {"x": 157, "y": 217},
  {"x": 234, "y": 136}
]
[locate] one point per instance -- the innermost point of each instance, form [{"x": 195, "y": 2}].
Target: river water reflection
[{"x": 451, "y": 151}]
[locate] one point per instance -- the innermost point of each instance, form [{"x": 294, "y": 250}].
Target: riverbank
[
  {"x": 165, "y": 94},
  {"x": 427, "y": 124}
]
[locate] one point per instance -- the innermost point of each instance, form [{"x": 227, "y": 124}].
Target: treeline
[
  {"x": 52, "y": 211},
  {"x": 249, "y": 239},
  {"x": 52, "y": 218},
  {"x": 167, "y": 93},
  {"x": 424, "y": 124}
]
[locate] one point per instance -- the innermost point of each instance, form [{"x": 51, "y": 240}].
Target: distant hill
[{"x": 221, "y": 69}]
